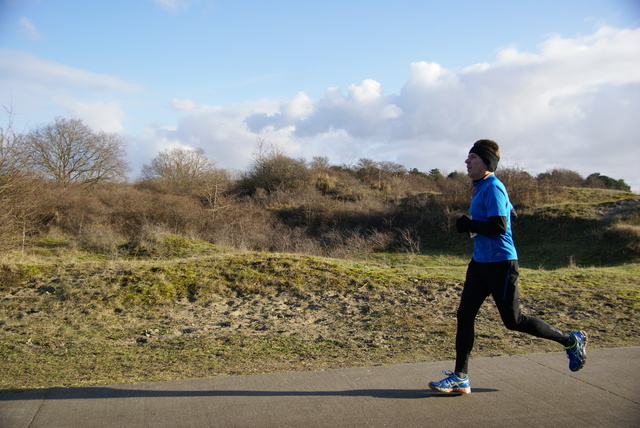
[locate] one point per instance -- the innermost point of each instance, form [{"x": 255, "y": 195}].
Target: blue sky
[{"x": 556, "y": 83}]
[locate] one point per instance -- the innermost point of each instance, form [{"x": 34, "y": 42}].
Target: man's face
[{"x": 476, "y": 169}]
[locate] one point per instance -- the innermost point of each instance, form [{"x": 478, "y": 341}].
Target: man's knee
[
  {"x": 511, "y": 324},
  {"x": 514, "y": 322},
  {"x": 465, "y": 317}
]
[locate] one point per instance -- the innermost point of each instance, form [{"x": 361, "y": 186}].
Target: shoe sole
[
  {"x": 584, "y": 347},
  {"x": 452, "y": 390}
]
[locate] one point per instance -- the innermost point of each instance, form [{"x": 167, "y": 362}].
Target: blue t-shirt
[{"x": 490, "y": 199}]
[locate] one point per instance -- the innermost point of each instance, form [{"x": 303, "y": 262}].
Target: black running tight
[{"x": 499, "y": 279}]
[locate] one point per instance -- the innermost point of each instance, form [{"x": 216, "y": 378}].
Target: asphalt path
[{"x": 535, "y": 390}]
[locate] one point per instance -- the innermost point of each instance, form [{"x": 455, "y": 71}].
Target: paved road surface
[{"x": 535, "y": 390}]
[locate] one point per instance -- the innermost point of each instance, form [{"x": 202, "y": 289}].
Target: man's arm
[{"x": 496, "y": 225}]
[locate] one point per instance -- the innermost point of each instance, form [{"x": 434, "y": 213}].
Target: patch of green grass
[
  {"x": 434, "y": 263},
  {"x": 594, "y": 195},
  {"x": 222, "y": 312}
]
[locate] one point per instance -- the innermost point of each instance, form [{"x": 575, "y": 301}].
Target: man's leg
[
  {"x": 507, "y": 298},
  {"x": 473, "y": 295}
]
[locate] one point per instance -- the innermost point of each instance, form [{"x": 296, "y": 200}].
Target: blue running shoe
[
  {"x": 451, "y": 383},
  {"x": 577, "y": 353}
]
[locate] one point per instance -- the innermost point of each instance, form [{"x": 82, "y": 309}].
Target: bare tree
[
  {"x": 181, "y": 169},
  {"x": 211, "y": 191},
  {"x": 320, "y": 163},
  {"x": 13, "y": 156},
  {"x": 17, "y": 191},
  {"x": 68, "y": 152}
]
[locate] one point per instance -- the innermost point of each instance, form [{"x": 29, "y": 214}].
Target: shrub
[
  {"x": 99, "y": 238},
  {"x": 604, "y": 182},
  {"x": 274, "y": 171},
  {"x": 524, "y": 190},
  {"x": 343, "y": 185},
  {"x": 561, "y": 178},
  {"x": 156, "y": 242},
  {"x": 132, "y": 212},
  {"x": 620, "y": 241},
  {"x": 243, "y": 225}
]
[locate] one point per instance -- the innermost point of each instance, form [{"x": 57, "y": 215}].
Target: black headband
[{"x": 488, "y": 157}]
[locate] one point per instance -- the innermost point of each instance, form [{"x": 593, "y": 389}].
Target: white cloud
[
  {"x": 20, "y": 68},
  {"x": 426, "y": 74},
  {"x": 299, "y": 107},
  {"x": 179, "y": 6},
  {"x": 106, "y": 117},
  {"x": 33, "y": 85},
  {"x": 363, "y": 112},
  {"x": 220, "y": 131},
  {"x": 29, "y": 29},
  {"x": 182, "y": 105},
  {"x": 571, "y": 105},
  {"x": 173, "y": 5}
]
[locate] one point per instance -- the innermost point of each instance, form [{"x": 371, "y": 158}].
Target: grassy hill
[
  {"x": 185, "y": 308},
  {"x": 593, "y": 228}
]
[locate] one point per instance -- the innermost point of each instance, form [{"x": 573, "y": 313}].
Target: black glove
[{"x": 463, "y": 224}]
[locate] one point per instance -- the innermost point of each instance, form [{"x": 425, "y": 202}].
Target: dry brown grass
[{"x": 228, "y": 313}]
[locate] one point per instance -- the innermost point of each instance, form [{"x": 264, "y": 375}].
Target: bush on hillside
[
  {"x": 603, "y": 182},
  {"x": 284, "y": 204},
  {"x": 274, "y": 171},
  {"x": 617, "y": 242}
]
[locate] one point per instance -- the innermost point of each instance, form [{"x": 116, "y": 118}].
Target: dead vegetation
[{"x": 227, "y": 313}]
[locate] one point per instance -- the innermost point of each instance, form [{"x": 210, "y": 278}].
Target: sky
[{"x": 415, "y": 82}]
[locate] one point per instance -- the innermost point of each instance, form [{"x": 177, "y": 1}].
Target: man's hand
[{"x": 463, "y": 224}]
